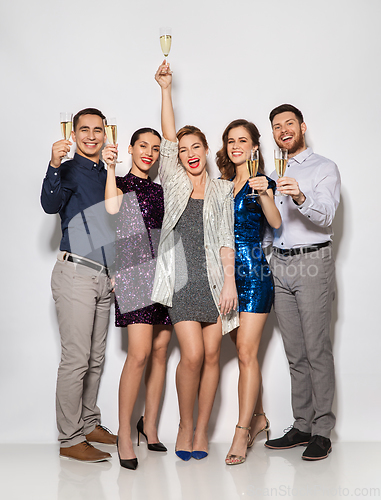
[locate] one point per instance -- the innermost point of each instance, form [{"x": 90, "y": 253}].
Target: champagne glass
[
  {"x": 165, "y": 40},
  {"x": 66, "y": 120},
  {"x": 252, "y": 163},
  {"x": 280, "y": 158},
  {"x": 112, "y": 133}
]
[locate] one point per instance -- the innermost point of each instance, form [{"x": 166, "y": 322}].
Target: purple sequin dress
[{"x": 137, "y": 239}]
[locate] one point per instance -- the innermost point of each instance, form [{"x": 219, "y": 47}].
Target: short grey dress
[{"x": 192, "y": 299}]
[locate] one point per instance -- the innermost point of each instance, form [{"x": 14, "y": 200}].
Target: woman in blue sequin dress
[
  {"x": 140, "y": 206},
  {"x": 253, "y": 276}
]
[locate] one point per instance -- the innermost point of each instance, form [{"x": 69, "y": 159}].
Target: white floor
[{"x": 35, "y": 472}]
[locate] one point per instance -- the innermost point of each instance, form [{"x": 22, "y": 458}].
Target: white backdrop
[{"x": 230, "y": 60}]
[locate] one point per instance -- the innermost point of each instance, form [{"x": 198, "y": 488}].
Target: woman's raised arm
[{"x": 163, "y": 77}]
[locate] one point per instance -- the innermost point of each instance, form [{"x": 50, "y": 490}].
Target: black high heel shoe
[
  {"x": 152, "y": 447},
  {"x": 128, "y": 463}
]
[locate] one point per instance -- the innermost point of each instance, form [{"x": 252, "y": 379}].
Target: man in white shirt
[{"x": 304, "y": 278}]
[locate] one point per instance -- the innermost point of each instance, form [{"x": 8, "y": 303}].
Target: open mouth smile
[
  {"x": 146, "y": 161},
  {"x": 286, "y": 138},
  {"x": 237, "y": 154},
  {"x": 194, "y": 162}
]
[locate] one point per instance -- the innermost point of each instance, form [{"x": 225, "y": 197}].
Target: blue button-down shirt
[{"x": 76, "y": 191}]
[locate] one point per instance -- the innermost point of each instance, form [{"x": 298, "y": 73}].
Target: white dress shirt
[{"x": 309, "y": 223}]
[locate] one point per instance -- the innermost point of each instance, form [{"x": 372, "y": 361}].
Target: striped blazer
[{"x": 218, "y": 219}]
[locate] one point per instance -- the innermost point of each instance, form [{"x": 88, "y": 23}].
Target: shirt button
[
  {"x": 55, "y": 173},
  {"x": 51, "y": 191},
  {"x": 282, "y": 243},
  {"x": 214, "y": 286},
  {"x": 281, "y": 202},
  {"x": 95, "y": 164},
  {"x": 206, "y": 246}
]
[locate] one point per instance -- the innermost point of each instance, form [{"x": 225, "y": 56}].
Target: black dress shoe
[
  {"x": 319, "y": 447},
  {"x": 151, "y": 446},
  {"x": 292, "y": 438}
]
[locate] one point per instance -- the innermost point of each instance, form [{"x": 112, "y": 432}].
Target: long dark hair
[{"x": 223, "y": 161}]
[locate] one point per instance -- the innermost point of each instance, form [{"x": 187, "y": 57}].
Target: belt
[
  {"x": 86, "y": 262},
  {"x": 288, "y": 252}
]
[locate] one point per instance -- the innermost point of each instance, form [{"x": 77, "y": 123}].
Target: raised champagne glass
[
  {"x": 280, "y": 158},
  {"x": 66, "y": 120},
  {"x": 165, "y": 40},
  {"x": 252, "y": 163},
  {"x": 112, "y": 133}
]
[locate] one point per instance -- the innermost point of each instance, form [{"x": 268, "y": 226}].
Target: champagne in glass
[
  {"x": 66, "y": 120},
  {"x": 280, "y": 158},
  {"x": 165, "y": 40},
  {"x": 252, "y": 164},
  {"x": 112, "y": 133}
]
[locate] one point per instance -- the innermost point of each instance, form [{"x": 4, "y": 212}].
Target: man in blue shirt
[
  {"x": 304, "y": 276},
  {"x": 81, "y": 284}
]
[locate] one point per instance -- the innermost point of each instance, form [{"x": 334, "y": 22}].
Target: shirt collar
[
  {"x": 301, "y": 157},
  {"x": 86, "y": 163}
]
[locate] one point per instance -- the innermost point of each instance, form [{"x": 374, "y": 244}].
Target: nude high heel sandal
[
  {"x": 237, "y": 459},
  {"x": 265, "y": 428}
]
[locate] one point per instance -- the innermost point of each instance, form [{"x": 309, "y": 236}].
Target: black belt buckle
[
  {"x": 290, "y": 252},
  {"x": 86, "y": 263}
]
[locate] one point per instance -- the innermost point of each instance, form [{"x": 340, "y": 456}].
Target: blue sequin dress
[{"x": 254, "y": 280}]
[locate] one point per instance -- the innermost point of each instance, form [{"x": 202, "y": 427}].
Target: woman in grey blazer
[{"x": 195, "y": 269}]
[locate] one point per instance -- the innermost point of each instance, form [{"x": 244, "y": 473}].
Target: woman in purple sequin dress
[{"x": 140, "y": 207}]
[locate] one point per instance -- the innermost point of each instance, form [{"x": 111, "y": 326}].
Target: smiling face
[
  {"x": 239, "y": 145},
  {"x": 145, "y": 153},
  {"x": 289, "y": 133},
  {"x": 89, "y": 135},
  {"x": 192, "y": 154}
]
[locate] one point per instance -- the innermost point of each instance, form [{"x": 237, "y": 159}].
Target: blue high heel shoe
[
  {"x": 184, "y": 455},
  {"x": 199, "y": 455}
]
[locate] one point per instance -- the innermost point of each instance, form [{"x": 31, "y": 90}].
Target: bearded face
[{"x": 289, "y": 133}]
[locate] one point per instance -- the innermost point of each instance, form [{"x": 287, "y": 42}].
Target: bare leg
[
  {"x": 247, "y": 339},
  {"x": 154, "y": 379},
  {"x": 139, "y": 349},
  {"x": 210, "y": 375},
  {"x": 189, "y": 334}
]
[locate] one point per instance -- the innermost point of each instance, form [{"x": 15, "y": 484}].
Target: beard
[{"x": 296, "y": 144}]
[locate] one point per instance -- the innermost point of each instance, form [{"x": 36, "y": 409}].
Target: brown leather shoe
[
  {"x": 84, "y": 452},
  {"x": 101, "y": 435}
]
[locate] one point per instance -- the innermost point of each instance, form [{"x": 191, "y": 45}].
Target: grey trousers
[
  {"x": 304, "y": 291},
  {"x": 82, "y": 297}
]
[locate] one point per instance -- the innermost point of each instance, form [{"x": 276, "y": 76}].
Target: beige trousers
[{"x": 82, "y": 297}]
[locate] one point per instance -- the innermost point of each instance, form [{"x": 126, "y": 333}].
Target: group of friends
[{"x": 188, "y": 253}]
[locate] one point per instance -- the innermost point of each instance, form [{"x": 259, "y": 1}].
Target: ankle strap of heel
[{"x": 240, "y": 427}]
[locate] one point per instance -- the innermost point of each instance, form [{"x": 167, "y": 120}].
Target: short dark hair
[
  {"x": 135, "y": 136},
  {"x": 283, "y": 108},
  {"x": 87, "y": 111}
]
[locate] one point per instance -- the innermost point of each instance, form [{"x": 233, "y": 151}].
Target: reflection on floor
[{"x": 35, "y": 472}]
